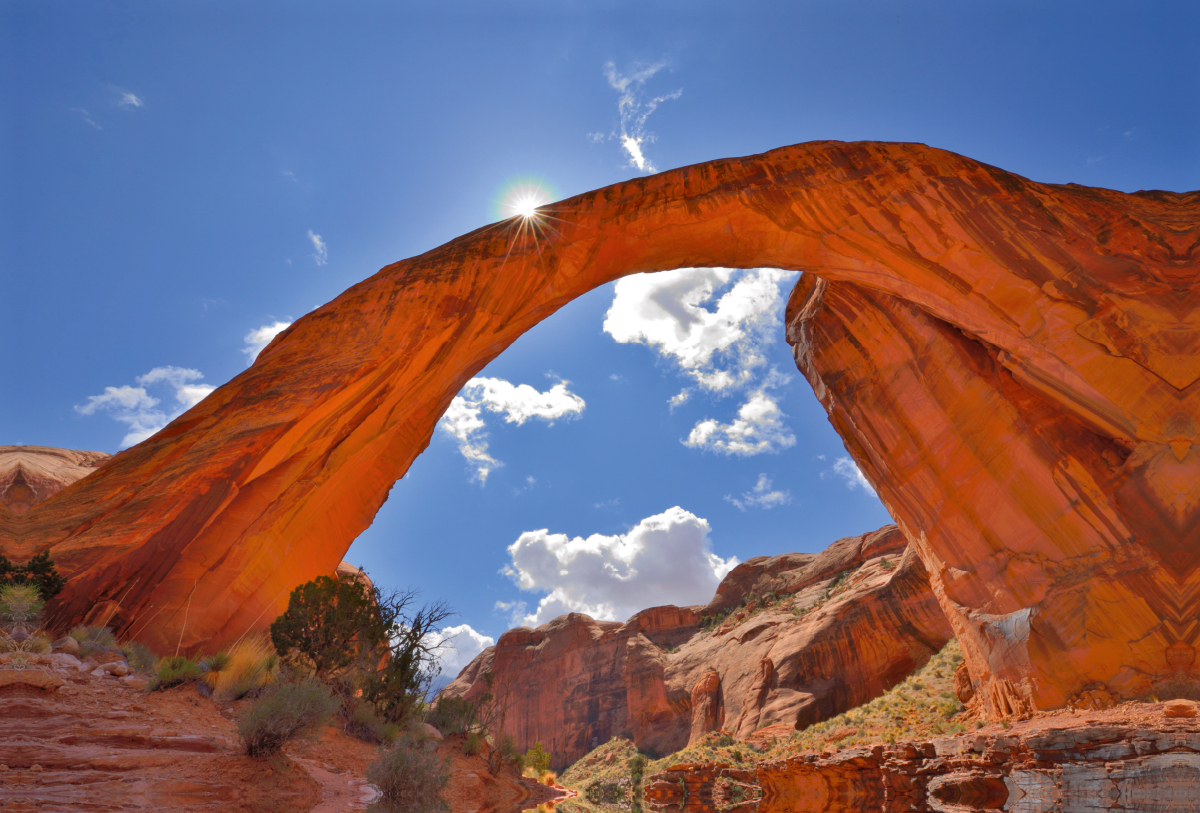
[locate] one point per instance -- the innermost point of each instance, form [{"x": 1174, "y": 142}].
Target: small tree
[
  {"x": 330, "y": 623},
  {"x": 537, "y": 759},
  {"x": 38, "y": 571}
]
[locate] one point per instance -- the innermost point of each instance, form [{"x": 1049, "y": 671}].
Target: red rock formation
[
  {"x": 853, "y": 621},
  {"x": 1012, "y": 364},
  {"x": 31, "y": 474},
  {"x": 1133, "y": 759}
]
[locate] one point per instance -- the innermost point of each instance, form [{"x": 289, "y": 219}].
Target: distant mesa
[{"x": 1013, "y": 366}]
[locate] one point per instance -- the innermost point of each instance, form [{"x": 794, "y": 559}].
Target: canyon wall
[
  {"x": 800, "y": 637},
  {"x": 1012, "y": 364},
  {"x": 31, "y": 474}
]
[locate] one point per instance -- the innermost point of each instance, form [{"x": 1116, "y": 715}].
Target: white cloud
[
  {"x": 259, "y": 338},
  {"x": 762, "y": 496},
  {"x": 320, "y": 249},
  {"x": 849, "y": 471},
  {"x": 716, "y": 325},
  {"x": 514, "y": 610},
  {"x": 634, "y": 111},
  {"x": 758, "y": 428},
  {"x": 459, "y": 646},
  {"x": 718, "y": 344},
  {"x": 518, "y": 403},
  {"x": 142, "y": 412},
  {"x": 129, "y": 100},
  {"x": 664, "y": 559}
]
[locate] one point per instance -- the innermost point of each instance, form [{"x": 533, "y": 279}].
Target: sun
[{"x": 522, "y": 197}]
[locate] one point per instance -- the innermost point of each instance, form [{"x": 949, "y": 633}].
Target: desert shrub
[
  {"x": 328, "y": 625},
  {"x": 283, "y": 712},
  {"x": 251, "y": 664},
  {"x": 605, "y": 793},
  {"x": 215, "y": 664},
  {"x": 537, "y": 760},
  {"x": 473, "y": 743},
  {"x": 94, "y": 640},
  {"x": 140, "y": 657},
  {"x": 411, "y": 777},
  {"x": 38, "y": 571},
  {"x": 20, "y": 603},
  {"x": 450, "y": 715},
  {"x": 362, "y": 722},
  {"x": 174, "y": 671},
  {"x": 367, "y": 642}
]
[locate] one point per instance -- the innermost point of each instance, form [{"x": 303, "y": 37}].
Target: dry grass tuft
[{"x": 251, "y": 664}]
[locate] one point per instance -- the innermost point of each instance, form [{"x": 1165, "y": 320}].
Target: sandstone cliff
[
  {"x": 838, "y": 628},
  {"x": 31, "y": 474},
  {"x": 1013, "y": 365}
]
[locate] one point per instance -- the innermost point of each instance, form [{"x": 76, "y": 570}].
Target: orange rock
[
  {"x": 1012, "y": 364},
  {"x": 662, "y": 681}
]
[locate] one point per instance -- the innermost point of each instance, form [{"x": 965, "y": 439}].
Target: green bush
[
  {"x": 174, "y": 671},
  {"x": 362, "y": 722},
  {"x": 411, "y": 777},
  {"x": 537, "y": 759},
  {"x": 328, "y": 625},
  {"x": 140, "y": 657},
  {"x": 38, "y": 571},
  {"x": 283, "y": 712}
]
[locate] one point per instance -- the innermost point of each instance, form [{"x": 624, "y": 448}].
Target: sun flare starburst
[{"x": 522, "y": 198}]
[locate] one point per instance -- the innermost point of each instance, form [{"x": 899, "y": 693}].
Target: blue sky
[{"x": 177, "y": 177}]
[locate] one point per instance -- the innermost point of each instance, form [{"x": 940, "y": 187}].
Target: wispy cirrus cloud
[
  {"x": 849, "y": 471},
  {"x": 320, "y": 253},
  {"x": 126, "y": 99},
  {"x": 634, "y": 110},
  {"x": 87, "y": 117},
  {"x": 518, "y": 403},
  {"x": 140, "y": 411}
]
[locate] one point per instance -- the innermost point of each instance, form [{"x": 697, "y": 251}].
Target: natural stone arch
[{"x": 1074, "y": 307}]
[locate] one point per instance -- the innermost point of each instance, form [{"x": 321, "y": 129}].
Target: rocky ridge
[
  {"x": 1133, "y": 757},
  {"x": 787, "y": 639},
  {"x": 32, "y": 474}
]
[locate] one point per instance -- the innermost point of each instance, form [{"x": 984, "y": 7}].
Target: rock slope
[
  {"x": 1014, "y": 366},
  {"x": 837, "y": 628}
]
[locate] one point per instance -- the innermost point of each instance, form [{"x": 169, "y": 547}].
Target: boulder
[{"x": 66, "y": 645}]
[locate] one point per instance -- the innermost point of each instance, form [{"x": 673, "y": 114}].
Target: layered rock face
[
  {"x": 1012, "y": 364},
  {"x": 844, "y": 626},
  {"x": 31, "y": 474},
  {"x": 1026, "y": 405}
]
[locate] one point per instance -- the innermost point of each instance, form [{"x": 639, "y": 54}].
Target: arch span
[{"x": 1012, "y": 364}]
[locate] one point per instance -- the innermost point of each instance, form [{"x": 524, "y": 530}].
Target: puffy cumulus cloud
[
  {"x": 664, "y": 559},
  {"x": 259, "y": 338},
  {"x": 761, "y": 496},
  {"x": 320, "y": 253},
  {"x": 758, "y": 428},
  {"x": 634, "y": 110},
  {"x": 457, "y": 646},
  {"x": 849, "y": 471},
  {"x": 142, "y": 412},
  {"x": 518, "y": 403},
  {"x": 718, "y": 344}
]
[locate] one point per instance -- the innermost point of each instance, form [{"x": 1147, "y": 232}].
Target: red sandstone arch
[{"x": 1013, "y": 364}]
